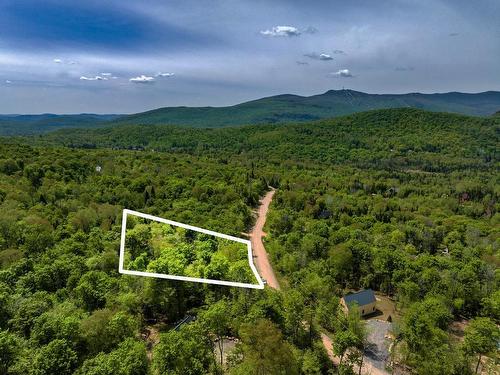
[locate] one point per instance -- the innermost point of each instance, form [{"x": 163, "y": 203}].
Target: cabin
[{"x": 364, "y": 299}]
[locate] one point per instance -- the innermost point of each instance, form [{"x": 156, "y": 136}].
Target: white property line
[{"x": 126, "y": 212}]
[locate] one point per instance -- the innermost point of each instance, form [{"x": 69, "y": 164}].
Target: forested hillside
[
  {"x": 295, "y": 108},
  {"x": 397, "y": 138},
  {"x": 279, "y": 109},
  {"x": 401, "y": 201}
]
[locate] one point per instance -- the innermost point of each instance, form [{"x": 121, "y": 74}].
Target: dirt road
[{"x": 259, "y": 252}]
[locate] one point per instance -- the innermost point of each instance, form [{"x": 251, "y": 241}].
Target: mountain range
[{"x": 270, "y": 110}]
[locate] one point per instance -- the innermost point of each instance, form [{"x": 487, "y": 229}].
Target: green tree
[
  {"x": 216, "y": 320},
  {"x": 93, "y": 288},
  {"x": 424, "y": 332},
  {"x": 491, "y": 305},
  {"x": 10, "y": 346},
  {"x": 105, "y": 329},
  {"x": 311, "y": 364},
  {"x": 27, "y": 309},
  {"x": 263, "y": 351},
  {"x": 342, "y": 341},
  {"x": 57, "y": 357},
  {"x": 183, "y": 352},
  {"x": 481, "y": 337},
  {"x": 293, "y": 308},
  {"x": 128, "y": 359}
]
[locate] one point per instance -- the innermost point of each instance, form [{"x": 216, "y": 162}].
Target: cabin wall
[
  {"x": 344, "y": 306},
  {"x": 367, "y": 309}
]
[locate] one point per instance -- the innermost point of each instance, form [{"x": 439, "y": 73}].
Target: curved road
[{"x": 261, "y": 259}]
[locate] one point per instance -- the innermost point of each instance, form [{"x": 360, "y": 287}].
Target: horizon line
[{"x": 243, "y": 102}]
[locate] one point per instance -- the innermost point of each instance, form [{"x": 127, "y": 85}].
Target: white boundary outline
[{"x": 259, "y": 285}]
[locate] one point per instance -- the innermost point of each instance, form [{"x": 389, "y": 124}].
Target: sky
[{"x": 125, "y": 56}]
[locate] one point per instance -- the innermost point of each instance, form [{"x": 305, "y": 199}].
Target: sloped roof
[{"x": 363, "y": 297}]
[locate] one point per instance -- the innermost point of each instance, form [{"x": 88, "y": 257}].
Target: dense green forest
[
  {"x": 384, "y": 139},
  {"x": 401, "y": 201},
  {"x": 165, "y": 249}
]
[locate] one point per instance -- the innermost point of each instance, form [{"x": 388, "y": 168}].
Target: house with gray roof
[{"x": 365, "y": 301}]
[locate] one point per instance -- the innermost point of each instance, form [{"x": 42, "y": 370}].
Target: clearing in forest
[{"x": 155, "y": 247}]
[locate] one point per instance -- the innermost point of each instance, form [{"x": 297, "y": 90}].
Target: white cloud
[
  {"x": 95, "y": 78},
  {"x": 282, "y": 31},
  {"x": 67, "y": 62},
  {"x": 106, "y": 74},
  {"x": 8, "y": 82},
  {"x": 345, "y": 73},
  {"x": 142, "y": 79},
  {"x": 165, "y": 74},
  {"x": 321, "y": 56}
]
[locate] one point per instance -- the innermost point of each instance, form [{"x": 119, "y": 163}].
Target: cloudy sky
[{"x": 123, "y": 56}]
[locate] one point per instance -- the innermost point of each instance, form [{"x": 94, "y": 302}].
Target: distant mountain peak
[{"x": 343, "y": 92}]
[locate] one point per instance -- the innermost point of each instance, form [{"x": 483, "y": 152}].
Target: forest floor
[
  {"x": 228, "y": 346},
  {"x": 151, "y": 335},
  {"x": 266, "y": 271}
]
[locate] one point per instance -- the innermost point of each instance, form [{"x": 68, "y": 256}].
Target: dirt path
[
  {"x": 259, "y": 251},
  {"x": 327, "y": 343}
]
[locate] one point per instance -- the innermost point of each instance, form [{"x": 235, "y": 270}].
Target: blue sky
[{"x": 129, "y": 56}]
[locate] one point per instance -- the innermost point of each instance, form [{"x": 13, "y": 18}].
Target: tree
[
  {"x": 26, "y": 310},
  {"x": 358, "y": 327},
  {"x": 138, "y": 240},
  {"x": 481, "y": 337},
  {"x": 326, "y": 310},
  {"x": 294, "y": 305},
  {"x": 183, "y": 352},
  {"x": 9, "y": 348},
  {"x": 263, "y": 351},
  {"x": 34, "y": 173},
  {"x": 310, "y": 363},
  {"x": 92, "y": 289},
  {"x": 491, "y": 305},
  {"x": 429, "y": 349},
  {"x": 57, "y": 324},
  {"x": 128, "y": 359},
  {"x": 216, "y": 320},
  {"x": 342, "y": 341},
  {"x": 105, "y": 329},
  {"x": 55, "y": 358}
]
